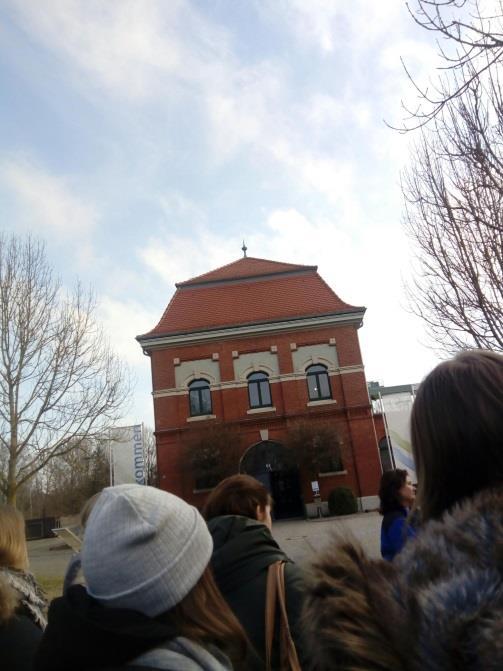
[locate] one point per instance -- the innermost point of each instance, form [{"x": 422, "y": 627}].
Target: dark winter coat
[
  {"x": 437, "y": 606},
  {"x": 243, "y": 550},
  {"x": 82, "y": 635},
  {"x": 19, "y": 635}
]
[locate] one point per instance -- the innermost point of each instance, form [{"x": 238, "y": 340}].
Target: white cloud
[
  {"x": 316, "y": 21},
  {"x": 118, "y": 43},
  {"x": 329, "y": 25},
  {"x": 178, "y": 209},
  {"x": 345, "y": 255},
  {"x": 176, "y": 258},
  {"x": 47, "y": 201},
  {"x": 128, "y": 47},
  {"x": 122, "y": 321},
  {"x": 136, "y": 50},
  {"x": 152, "y": 61}
]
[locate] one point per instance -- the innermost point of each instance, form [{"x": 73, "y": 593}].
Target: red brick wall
[{"x": 351, "y": 414}]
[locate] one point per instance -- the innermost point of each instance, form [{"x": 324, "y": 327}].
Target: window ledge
[
  {"x": 323, "y": 401},
  {"x": 329, "y": 473},
  {"x": 254, "y": 411},
  {"x": 200, "y": 418}
]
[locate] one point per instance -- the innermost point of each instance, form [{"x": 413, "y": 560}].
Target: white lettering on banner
[
  {"x": 139, "y": 460},
  {"x": 127, "y": 454}
]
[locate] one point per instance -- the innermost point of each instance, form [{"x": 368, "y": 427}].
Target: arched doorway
[{"x": 273, "y": 465}]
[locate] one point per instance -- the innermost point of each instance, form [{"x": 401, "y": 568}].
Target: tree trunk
[{"x": 11, "y": 493}]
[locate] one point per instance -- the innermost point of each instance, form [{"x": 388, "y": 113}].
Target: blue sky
[{"x": 143, "y": 140}]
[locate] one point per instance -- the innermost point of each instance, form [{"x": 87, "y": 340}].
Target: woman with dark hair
[
  {"x": 396, "y": 494},
  {"x": 238, "y": 513},
  {"x": 150, "y": 601},
  {"x": 439, "y": 604},
  {"x": 457, "y": 431}
]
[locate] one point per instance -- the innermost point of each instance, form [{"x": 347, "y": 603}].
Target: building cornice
[{"x": 152, "y": 342}]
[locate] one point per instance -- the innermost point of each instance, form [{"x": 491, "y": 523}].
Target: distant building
[
  {"x": 379, "y": 395},
  {"x": 250, "y": 350}
]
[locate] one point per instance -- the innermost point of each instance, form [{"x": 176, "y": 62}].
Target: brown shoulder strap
[
  {"x": 275, "y": 591},
  {"x": 289, "y": 657},
  {"x": 270, "y": 611}
]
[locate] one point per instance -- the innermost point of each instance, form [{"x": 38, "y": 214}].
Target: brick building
[{"x": 254, "y": 350}]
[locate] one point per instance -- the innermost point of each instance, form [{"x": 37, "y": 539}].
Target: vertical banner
[
  {"x": 396, "y": 408},
  {"x": 127, "y": 456}
]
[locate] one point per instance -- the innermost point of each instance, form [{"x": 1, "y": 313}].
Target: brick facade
[{"x": 225, "y": 353}]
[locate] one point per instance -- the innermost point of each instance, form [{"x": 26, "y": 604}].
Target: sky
[{"x": 144, "y": 140}]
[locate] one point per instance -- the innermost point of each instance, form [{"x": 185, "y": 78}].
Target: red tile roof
[
  {"x": 248, "y": 291},
  {"x": 245, "y": 267}
]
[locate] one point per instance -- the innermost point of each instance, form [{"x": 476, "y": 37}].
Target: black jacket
[
  {"x": 82, "y": 634},
  {"x": 243, "y": 550},
  {"x": 19, "y": 635}
]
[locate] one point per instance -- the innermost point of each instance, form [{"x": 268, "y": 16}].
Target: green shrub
[{"x": 342, "y": 501}]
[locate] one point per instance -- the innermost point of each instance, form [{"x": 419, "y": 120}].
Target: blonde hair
[{"x": 13, "y": 548}]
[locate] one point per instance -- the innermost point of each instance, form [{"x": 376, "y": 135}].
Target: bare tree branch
[
  {"x": 470, "y": 47},
  {"x": 316, "y": 447},
  {"x": 454, "y": 198},
  {"x": 60, "y": 384}
]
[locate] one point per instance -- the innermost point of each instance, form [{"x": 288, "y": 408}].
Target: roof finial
[{"x": 244, "y": 248}]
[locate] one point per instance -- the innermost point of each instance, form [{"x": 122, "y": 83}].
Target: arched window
[
  {"x": 318, "y": 384},
  {"x": 259, "y": 391},
  {"x": 199, "y": 398}
]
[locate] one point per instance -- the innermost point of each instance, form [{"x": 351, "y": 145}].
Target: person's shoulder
[
  {"x": 19, "y": 641},
  {"x": 9, "y": 599},
  {"x": 295, "y": 588},
  {"x": 451, "y": 569},
  {"x": 346, "y": 593},
  {"x": 464, "y": 536},
  {"x": 393, "y": 517},
  {"x": 183, "y": 654},
  {"x": 294, "y": 575}
]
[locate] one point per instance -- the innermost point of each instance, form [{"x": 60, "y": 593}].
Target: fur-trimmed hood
[
  {"x": 437, "y": 606},
  {"x": 32, "y": 601},
  {"x": 9, "y": 601}
]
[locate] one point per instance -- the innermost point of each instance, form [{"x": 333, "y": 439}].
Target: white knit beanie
[{"x": 143, "y": 549}]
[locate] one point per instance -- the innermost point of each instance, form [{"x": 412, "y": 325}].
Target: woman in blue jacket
[{"x": 397, "y": 496}]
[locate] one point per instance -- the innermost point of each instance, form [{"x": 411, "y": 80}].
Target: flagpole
[
  {"x": 110, "y": 457},
  {"x": 386, "y": 430}
]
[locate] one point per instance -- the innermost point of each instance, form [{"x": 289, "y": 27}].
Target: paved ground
[
  {"x": 300, "y": 539},
  {"x": 48, "y": 557}
]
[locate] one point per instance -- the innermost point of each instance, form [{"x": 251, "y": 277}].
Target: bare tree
[
  {"x": 470, "y": 46},
  {"x": 211, "y": 455},
  {"x": 67, "y": 482},
  {"x": 316, "y": 446},
  {"x": 60, "y": 384},
  {"x": 454, "y": 199}
]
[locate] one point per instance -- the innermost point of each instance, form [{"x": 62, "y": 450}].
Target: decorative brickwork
[{"x": 232, "y": 319}]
